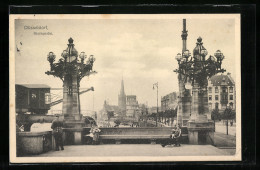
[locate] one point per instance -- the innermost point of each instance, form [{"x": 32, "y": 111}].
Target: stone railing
[
  {"x": 29, "y": 143},
  {"x": 125, "y": 133}
]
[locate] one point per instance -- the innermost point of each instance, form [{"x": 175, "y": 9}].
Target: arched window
[
  {"x": 216, "y": 89},
  {"x": 231, "y": 105},
  {"x": 230, "y": 89}
]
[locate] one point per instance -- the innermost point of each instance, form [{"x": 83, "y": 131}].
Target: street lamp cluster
[
  {"x": 71, "y": 68},
  {"x": 69, "y": 64},
  {"x": 198, "y": 69},
  {"x": 193, "y": 74}
]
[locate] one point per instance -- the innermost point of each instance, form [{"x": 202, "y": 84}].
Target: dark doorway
[
  {"x": 69, "y": 138},
  {"x": 202, "y": 137}
]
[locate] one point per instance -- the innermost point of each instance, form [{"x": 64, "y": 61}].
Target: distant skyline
[{"x": 142, "y": 51}]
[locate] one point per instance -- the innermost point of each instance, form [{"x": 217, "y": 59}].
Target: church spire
[
  {"x": 122, "y": 91},
  {"x": 122, "y": 99}
]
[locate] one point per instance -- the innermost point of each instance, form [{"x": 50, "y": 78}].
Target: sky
[{"x": 140, "y": 51}]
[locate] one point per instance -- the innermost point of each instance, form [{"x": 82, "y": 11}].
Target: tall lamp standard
[
  {"x": 156, "y": 85},
  {"x": 196, "y": 70},
  {"x": 71, "y": 68}
]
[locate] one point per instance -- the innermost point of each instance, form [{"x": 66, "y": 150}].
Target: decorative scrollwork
[
  {"x": 70, "y": 65},
  {"x": 197, "y": 68}
]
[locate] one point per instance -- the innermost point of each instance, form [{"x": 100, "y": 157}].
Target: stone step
[
  {"x": 74, "y": 121},
  {"x": 73, "y": 117},
  {"x": 69, "y": 118},
  {"x": 74, "y": 124}
]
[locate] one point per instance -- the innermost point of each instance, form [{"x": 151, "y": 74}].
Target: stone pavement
[
  {"x": 135, "y": 150},
  {"x": 223, "y": 140},
  {"x": 221, "y": 128}
]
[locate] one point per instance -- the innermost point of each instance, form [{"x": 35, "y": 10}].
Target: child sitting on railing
[{"x": 94, "y": 133}]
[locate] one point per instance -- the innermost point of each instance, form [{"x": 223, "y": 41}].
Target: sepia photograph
[{"x": 125, "y": 88}]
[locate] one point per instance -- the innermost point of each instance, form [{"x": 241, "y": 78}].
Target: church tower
[{"x": 122, "y": 99}]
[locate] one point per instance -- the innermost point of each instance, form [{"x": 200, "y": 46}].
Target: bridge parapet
[{"x": 125, "y": 133}]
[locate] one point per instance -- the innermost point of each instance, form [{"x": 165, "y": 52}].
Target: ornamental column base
[
  {"x": 72, "y": 136},
  {"x": 201, "y": 131},
  {"x": 73, "y": 127}
]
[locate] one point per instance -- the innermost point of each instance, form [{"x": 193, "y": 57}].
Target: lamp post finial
[{"x": 70, "y": 40}]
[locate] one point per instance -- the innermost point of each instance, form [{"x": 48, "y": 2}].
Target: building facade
[
  {"x": 221, "y": 92},
  {"x": 153, "y": 109},
  {"x": 169, "y": 101},
  {"x": 109, "y": 108},
  {"x": 132, "y": 107}
]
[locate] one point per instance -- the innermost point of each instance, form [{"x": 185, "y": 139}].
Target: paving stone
[{"x": 135, "y": 150}]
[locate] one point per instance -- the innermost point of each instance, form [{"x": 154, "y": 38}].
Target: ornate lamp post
[
  {"x": 195, "y": 71},
  {"x": 184, "y": 96},
  {"x": 70, "y": 70},
  {"x": 156, "y": 85}
]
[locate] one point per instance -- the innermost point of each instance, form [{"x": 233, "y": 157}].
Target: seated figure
[{"x": 174, "y": 137}]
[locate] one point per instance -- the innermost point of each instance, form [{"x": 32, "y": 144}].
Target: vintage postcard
[{"x": 125, "y": 88}]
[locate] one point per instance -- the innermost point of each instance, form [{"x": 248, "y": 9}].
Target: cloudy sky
[{"x": 141, "y": 51}]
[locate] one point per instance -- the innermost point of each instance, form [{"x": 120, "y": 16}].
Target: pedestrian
[
  {"x": 95, "y": 133},
  {"x": 57, "y": 125},
  {"x": 177, "y": 136},
  {"x": 171, "y": 139}
]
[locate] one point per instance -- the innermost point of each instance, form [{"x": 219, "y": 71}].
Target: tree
[
  {"x": 215, "y": 115},
  {"x": 167, "y": 116},
  {"x": 110, "y": 114},
  {"x": 117, "y": 122},
  {"x": 172, "y": 113},
  {"x": 153, "y": 115},
  {"x": 228, "y": 115},
  {"x": 161, "y": 116}
]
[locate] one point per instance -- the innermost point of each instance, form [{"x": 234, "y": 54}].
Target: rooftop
[
  {"x": 218, "y": 80},
  {"x": 34, "y": 86}
]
